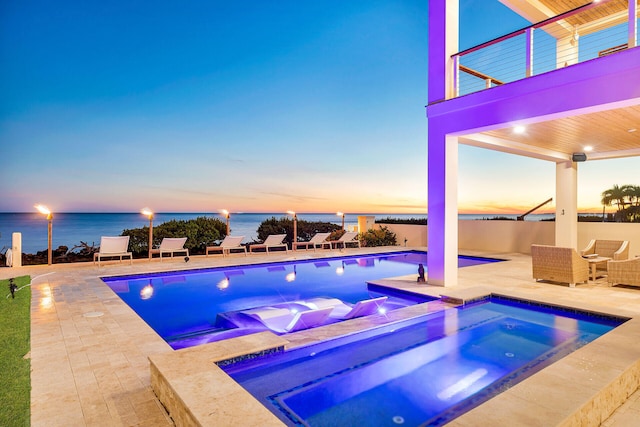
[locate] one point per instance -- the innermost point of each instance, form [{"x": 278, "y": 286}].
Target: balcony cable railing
[{"x": 590, "y": 31}]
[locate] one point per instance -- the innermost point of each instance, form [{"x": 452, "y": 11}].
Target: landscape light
[
  {"x": 342, "y": 215},
  {"x": 227, "y": 215},
  {"x": 45, "y": 211},
  {"x": 295, "y": 229},
  {"x": 149, "y": 213}
]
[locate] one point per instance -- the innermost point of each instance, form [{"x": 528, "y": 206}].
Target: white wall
[{"x": 517, "y": 236}]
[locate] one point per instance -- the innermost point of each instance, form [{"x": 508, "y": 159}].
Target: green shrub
[
  {"x": 381, "y": 237},
  {"x": 305, "y": 229},
  {"x": 200, "y": 233}
]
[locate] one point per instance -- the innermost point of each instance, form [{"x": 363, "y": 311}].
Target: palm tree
[
  {"x": 616, "y": 194},
  {"x": 632, "y": 192}
]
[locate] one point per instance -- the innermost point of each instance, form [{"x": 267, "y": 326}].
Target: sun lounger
[
  {"x": 282, "y": 320},
  {"x": 343, "y": 311},
  {"x": 171, "y": 245},
  {"x": 318, "y": 240},
  {"x": 272, "y": 241},
  {"x": 112, "y": 247},
  {"x": 230, "y": 243},
  {"x": 350, "y": 237}
]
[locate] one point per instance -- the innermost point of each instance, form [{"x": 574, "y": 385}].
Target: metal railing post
[
  {"x": 633, "y": 24},
  {"x": 529, "y": 51},
  {"x": 456, "y": 76}
]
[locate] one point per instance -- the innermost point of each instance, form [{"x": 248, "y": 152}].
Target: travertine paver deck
[{"x": 89, "y": 350}]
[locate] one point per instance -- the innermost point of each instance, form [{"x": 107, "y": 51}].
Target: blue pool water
[
  {"x": 194, "y": 307},
  {"x": 424, "y": 371}
]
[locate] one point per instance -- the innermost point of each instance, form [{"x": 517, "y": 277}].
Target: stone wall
[{"x": 517, "y": 236}]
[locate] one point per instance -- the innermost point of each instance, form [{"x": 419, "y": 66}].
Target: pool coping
[
  {"x": 594, "y": 396},
  {"x": 95, "y": 371}
]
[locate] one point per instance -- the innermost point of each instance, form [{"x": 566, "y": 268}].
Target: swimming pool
[
  {"x": 424, "y": 371},
  {"x": 193, "y": 307}
]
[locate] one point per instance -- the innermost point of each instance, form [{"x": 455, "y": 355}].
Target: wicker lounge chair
[
  {"x": 625, "y": 272},
  {"x": 558, "y": 264},
  {"x": 318, "y": 240},
  {"x": 350, "y": 237},
  {"x": 272, "y": 241},
  {"x": 113, "y": 247},
  {"x": 615, "y": 249},
  {"x": 171, "y": 245},
  {"x": 230, "y": 243}
]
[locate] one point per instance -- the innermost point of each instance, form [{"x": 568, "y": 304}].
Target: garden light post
[
  {"x": 295, "y": 229},
  {"x": 45, "y": 211},
  {"x": 149, "y": 213},
  {"x": 227, "y": 215},
  {"x": 342, "y": 215}
]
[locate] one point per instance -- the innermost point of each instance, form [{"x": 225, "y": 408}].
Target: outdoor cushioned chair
[
  {"x": 625, "y": 272},
  {"x": 350, "y": 237},
  {"x": 111, "y": 247},
  {"x": 318, "y": 240},
  {"x": 558, "y": 264},
  {"x": 345, "y": 311},
  {"x": 171, "y": 245},
  {"x": 230, "y": 243},
  {"x": 272, "y": 241},
  {"x": 615, "y": 249},
  {"x": 282, "y": 320}
]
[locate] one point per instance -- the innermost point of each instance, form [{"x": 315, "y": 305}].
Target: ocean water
[{"x": 69, "y": 229}]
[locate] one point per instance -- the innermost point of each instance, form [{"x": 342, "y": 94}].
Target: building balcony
[{"x": 588, "y": 32}]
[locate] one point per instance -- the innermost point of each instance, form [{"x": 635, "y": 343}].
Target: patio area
[{"x": 90, "y": 351}]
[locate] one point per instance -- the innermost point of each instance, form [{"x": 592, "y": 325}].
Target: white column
[
  {"x": 567, "y": 204},
  {"x": 16, "y": 250},
  {"x": 442, "y": 166},
  {"x": 442, "y": 263}
]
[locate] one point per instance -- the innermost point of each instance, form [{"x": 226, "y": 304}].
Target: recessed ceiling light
[
  {"x": 519, "y": 129},
  {"x": 588, "y": 148},
  {"x": 632, "y": 130}
]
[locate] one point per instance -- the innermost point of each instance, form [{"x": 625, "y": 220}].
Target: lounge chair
[
  {"x": 625, "y": 272},
  {"x": 617, "y": 250},
  {"x": 171, "y": 245},
  {"x": 230, "y": 243},
  {"x": 343, "y": 311},
  {"x": 558, "y": 264},
  {"x": 318, "y": 240},
  {"x": 112, "y": 247},
  {"x": 272, "y": 241},
  {"x": 282, "y": 320},
  {"x": 350, "y": 237}
]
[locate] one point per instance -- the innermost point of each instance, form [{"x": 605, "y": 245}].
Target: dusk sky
[{"x": 253, "y": 106}]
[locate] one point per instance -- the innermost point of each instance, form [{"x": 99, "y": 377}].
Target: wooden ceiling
[
  {"x": 610, "y": 133},
  {"x": 601, "y": 11}
]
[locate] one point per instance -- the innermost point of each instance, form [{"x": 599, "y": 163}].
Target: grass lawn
[{"x": 15, "y": 380}]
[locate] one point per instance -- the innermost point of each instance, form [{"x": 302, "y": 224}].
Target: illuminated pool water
[
  {"x": 424, "y": 371},
  {"x": 194, "y": 307}
]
